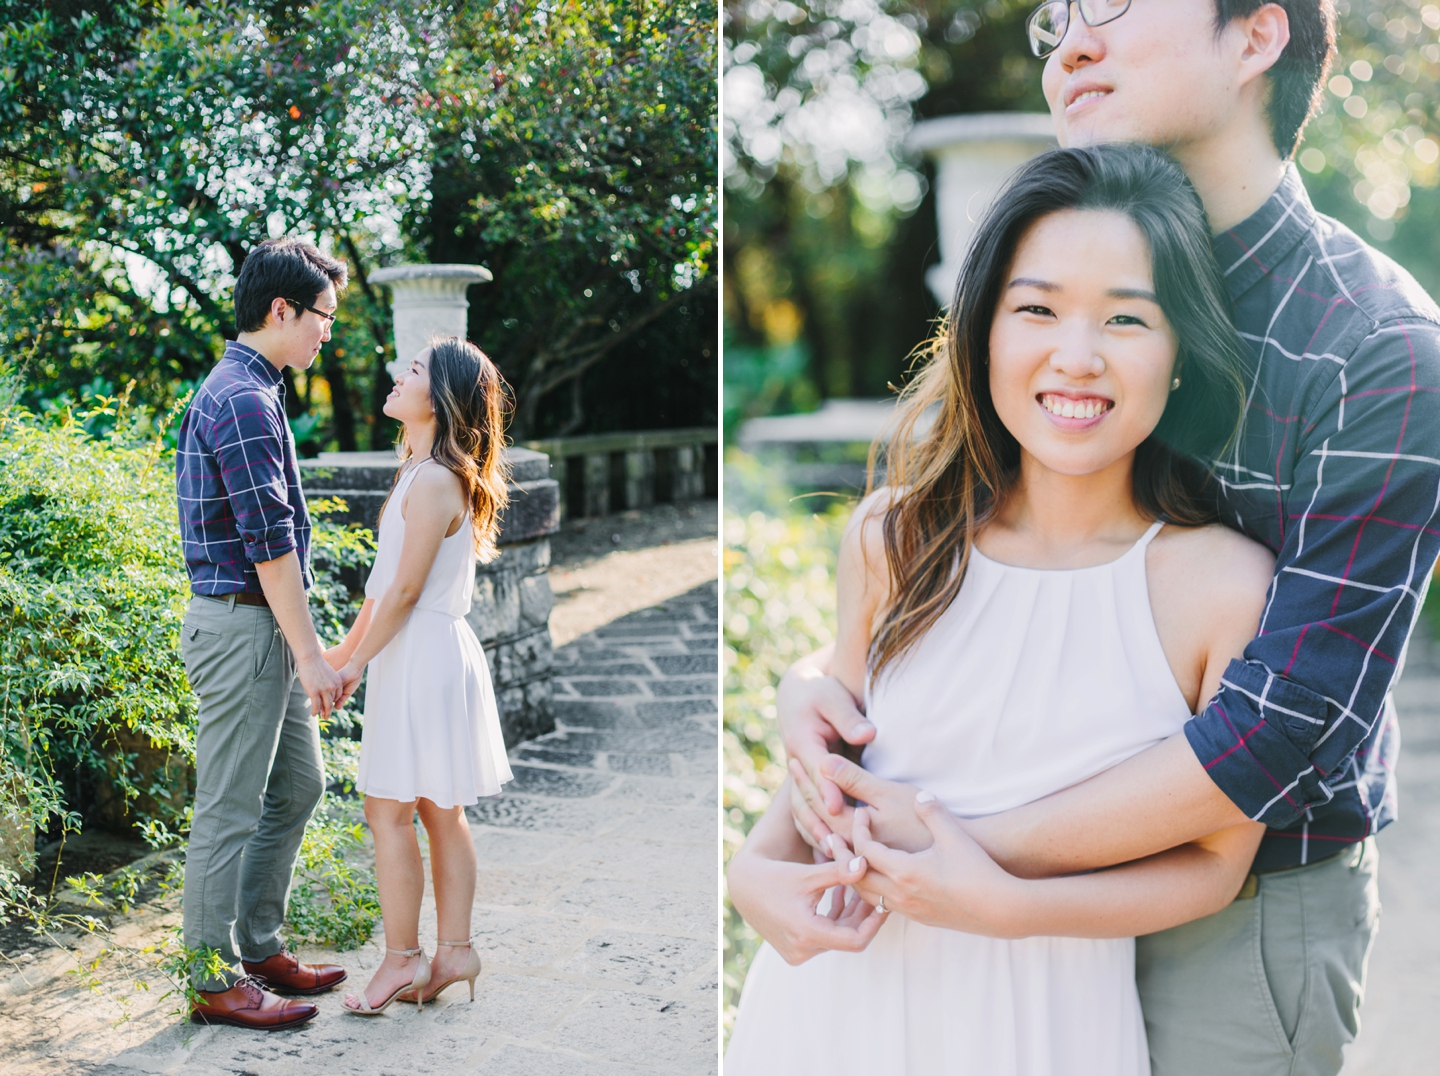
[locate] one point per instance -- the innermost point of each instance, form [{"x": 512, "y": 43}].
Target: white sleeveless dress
[
  {"x": 1030, "y": 682},
  {"x": 432, "y": 728}
]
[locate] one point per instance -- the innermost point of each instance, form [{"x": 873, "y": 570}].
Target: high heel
[
  {"x": 418, "y": 984},
  {"x": 469, "y": 973}
]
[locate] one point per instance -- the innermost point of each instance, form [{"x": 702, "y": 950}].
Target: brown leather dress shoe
[
  {"x": 246, "y": 1004},
  {"x": 284, "y": 974}
]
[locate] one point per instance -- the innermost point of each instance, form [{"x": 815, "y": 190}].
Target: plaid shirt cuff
[
  {"x": 269, "y": 544},
  {"x": 1255, "y": 740}
]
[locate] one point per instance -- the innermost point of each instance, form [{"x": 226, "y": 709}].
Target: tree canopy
[{"x": 146, "y": 146}]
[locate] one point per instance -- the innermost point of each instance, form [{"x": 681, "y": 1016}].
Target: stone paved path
[
  {"x": 595, "y": 910},
  {"x": 1399, "y": 1034}
]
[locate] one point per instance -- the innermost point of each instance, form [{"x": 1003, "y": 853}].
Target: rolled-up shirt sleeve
[
  {"x": 249, "y": 445},
  {"x": 1361, "y": 535}
]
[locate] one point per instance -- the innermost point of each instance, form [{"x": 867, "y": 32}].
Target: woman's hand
[
  {"x": 337, "y": 656},
  {"x": 951, "y": 884},
  {"x": 780, "y": 900},
  {"x": 893, "y": 820},
  {"x": 778, "y": 892},
  {"x": 349, "y": 680}
]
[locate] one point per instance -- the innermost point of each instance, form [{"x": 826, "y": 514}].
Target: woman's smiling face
[
  {"x": 1081, "y": 355},
  {"x": 409, "y": 400}
]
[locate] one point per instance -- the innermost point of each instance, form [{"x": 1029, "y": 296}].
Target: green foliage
[
  {"x": 146, "y": 146},
  {"x": 334, "y": 900},
  {"x": 766, "y": 380},
  {"x": 779, "y": 605},
  {"x": 78, "y": 330},
  {"x": 574, "y": 143},
  {"x": 92, "y": 594},
  {"x": 184, "y": 967},
  {"x": 338, "y": 554}
]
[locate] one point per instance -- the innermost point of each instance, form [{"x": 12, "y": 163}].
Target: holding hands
[
  {"x": 951, "y": 883},
  {"x": 892, "y": 817},
  {"x": 338, "y": 658}
]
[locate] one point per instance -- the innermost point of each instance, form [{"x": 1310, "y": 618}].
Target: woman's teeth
[
  {"x": 1086, "y": 96},
  {"x": 1068, "y": 408}
]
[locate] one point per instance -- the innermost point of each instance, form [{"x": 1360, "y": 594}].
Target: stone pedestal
[
  {"x": 511, "y": 609},
  {"x": 974, "y": 155},
  {"x": 427, "y": 300}
]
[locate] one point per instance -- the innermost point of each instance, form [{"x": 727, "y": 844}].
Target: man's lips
[{"x": 1082, "y": 93}]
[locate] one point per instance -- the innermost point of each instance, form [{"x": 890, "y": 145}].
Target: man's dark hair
[
  {"x": 284, "y": 269},
  {"x": 1297, "y": 80}
]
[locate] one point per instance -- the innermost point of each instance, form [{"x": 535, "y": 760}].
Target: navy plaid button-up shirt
[
  {"x": 236, "y": 477},
  {"x": 1337, "y": 471}
]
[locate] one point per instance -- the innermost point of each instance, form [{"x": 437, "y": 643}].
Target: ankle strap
[
  {"x": 404, "y": 952},
  {"x": 458, "y": 945}
]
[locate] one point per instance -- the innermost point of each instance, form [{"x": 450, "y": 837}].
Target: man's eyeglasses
[
  {"x": 304, "y": 306},
  {"x": 1047, "y": 24}
]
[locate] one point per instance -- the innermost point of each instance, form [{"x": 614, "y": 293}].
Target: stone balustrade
[{"x": 609, "y": 472}]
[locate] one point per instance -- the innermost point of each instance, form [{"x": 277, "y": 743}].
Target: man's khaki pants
[
  {"x": 259, "y": 777},
  {"x": 1270, "y": 985}
]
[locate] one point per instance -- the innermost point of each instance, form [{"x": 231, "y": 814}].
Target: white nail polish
[
  {"x": 856, "y": 864},
  {"x": 924, "y": 797}
]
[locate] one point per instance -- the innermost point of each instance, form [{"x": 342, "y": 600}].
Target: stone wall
[{"x": 511, "y": 610}]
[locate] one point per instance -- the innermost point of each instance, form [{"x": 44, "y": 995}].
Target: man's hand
[
  {"x": 780, "y": 900},
  {"x": 817, "y": 713},
  {"x": 322, "y": 683},
  {"x": 892, "y": 815},
  {"x": 952, "y": 884}
]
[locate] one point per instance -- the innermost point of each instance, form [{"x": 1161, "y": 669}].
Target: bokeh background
[{"x": 830, "y": 225}]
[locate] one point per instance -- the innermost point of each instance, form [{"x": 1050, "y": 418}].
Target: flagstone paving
[
  {"x": 1399, "y": 1035},
  {"x": 595, "y": 908}
]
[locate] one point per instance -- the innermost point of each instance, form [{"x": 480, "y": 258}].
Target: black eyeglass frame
[
  {"x": 1035, "y": 45},
  {"x": 298, "y": 305}
]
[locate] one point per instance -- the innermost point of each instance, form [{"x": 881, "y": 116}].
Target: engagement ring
[{"x": 880, "y": 907}]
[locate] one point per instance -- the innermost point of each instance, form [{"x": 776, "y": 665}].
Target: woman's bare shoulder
[
  {"x": 866, "y": 527},
  {"x": 1218, "y": 568},
  {"x": 439, "y": 488}
]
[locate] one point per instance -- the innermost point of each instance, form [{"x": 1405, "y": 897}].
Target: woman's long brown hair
[
  {"x": 469, "y": 398},
  {"x": 947, "y": 480}
]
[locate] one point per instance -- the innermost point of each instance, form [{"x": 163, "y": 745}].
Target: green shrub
[
  {"x": 779, "y": 605},
  {"x": 92, "y": 594},
  {"x": 97, "y": 718}
]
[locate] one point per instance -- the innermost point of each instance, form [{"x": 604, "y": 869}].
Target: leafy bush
[
  {"x": 779, "y": 605},
  {"x": 97, "y": 718},
  {"x": 92, "y": 594}
]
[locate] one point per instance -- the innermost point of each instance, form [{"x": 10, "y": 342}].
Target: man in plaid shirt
[
  {"x": 1337, "y": 471},
  {"x": 250, "y": 647}
]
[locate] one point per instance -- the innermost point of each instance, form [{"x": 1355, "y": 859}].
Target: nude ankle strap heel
[
  {"x": 470, "y": 972},
  {"x": 418, "y": 984}
]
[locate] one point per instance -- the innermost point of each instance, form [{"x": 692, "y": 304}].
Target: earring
[{"x": 1174, "y": 384}]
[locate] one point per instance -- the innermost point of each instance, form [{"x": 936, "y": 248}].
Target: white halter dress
[
  {"x": 432, "y": 728},
  {"x": 1030, "y": 682}
]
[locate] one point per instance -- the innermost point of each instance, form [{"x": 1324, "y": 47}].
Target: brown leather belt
[{"x": 242, "y": 598}]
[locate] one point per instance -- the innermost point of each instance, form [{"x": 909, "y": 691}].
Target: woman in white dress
[
  {"x": 1041, "y": 592},
  {"x": 432, "y": 741}
]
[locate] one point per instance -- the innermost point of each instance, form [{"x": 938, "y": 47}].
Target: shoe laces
[{"x": 254, "y": 989}]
